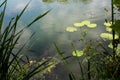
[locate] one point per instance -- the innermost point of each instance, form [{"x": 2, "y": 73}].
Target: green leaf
[
  {"x": 116, "y": 26},
  {"x": 77, "y": 53},
  {"x": 93, "y": 25},
  {"x": 110, "y": 46},
  {"x": 108, "y": 29},
  {"x": 108, "y": 24},
  {"x": 78, "y": 24},
  {"x": 71, "y": 29},
  {"x": 108, "y": 36},
  {"x": 116, "y": 2},
  {"x": 86, "y": 22},
  {"x": 118, "y": 50},
  {"x": 37, "y": 18}
]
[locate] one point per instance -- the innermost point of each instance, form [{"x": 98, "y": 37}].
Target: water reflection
[
  {"x": 66, "y": 1},
  {"x": 49, "y": 1},
  {"x": 51, "y": 28}
]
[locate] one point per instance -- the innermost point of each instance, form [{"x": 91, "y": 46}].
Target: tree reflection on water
[{"x": 65, "y": 1}]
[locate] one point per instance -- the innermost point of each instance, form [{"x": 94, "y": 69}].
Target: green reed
[{"x": 12, "y": 66}]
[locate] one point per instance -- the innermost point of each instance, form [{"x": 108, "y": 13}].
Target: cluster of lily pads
[
  {"x": 107, "y": 35},
  {"x": 81, "y": 24}
]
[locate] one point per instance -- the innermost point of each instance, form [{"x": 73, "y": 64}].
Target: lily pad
[
  {"x": 108, "y": 24},
  {"x": 108, "y": 36},
  {"x": 108, "y": 29},
  {"x": 77, "y": 53},
  {"x": 92, "y": 25},
  {"x": 71, "y": 29},
  {"x": 86, "y": 22},
  {"x": 110, "y": 46},
  {"x": 78, "y": 24}
]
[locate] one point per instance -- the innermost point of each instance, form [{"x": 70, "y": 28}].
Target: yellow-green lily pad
[
  {"x": 108, "y": 29},
  {"x": 110, "y": 46},
  {"x": 93, "y": 25},
  {"x": 86, "y": 22},
  {"x": 77, "y": 53},
  {"x": 71, "y": 29},
  {"x": 108, "y": 36},
  {"x": 108, "y": 24},
  {"x": 78, "y": 24}
]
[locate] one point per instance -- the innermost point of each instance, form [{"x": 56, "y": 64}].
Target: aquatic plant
[
  {"x": 12, "y": 65},
  {"x": 108, "y": 36},
  {"x": 103, "y": 64},
  {"x": 78, "y": 53},
  {"x": 71, "y": 29},
  {"x": 80, "y": 25}
]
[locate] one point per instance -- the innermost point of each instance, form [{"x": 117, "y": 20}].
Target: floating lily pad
[
  {"x": 110, "y": 46},
  {"x": 78, "y": 24},
  {"x": 77, "y": 53},
  {"x": 86, "y": 22},
  {"x": 108, "y": 29},
  {"x": 108, "y": 24},
  {"x": 118, "y": 47},
  {"x": 71, "y": 29},
  {"x": 92, "y": 25},
  {"x": 108, "y": 36}
]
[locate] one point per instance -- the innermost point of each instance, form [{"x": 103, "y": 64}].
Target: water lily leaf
[
  {"x": 110, "y": 46},
  {"x": 86, "y": 22},
  {"x": 71, "y": 29},
  {"x": 93, "y": 25},
  {"x": 116, "y": 26},
  {"x": 108, "y": 29},
  {"x": 78, "y": 24},
  {"x": 108, "y": 24},
  {"x": 108, "y": 36},
  {"x": 77, "y": 53}
]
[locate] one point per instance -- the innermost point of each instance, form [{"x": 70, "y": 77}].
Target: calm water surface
[{"x": 51, "y": 28}]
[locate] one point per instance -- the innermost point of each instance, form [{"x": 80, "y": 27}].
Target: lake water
[{"x": 52, "y": 27}]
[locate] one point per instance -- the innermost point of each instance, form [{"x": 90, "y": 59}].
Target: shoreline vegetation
[
  {"x": 13, "y": 66},
  {"x": 92, "y": 63}
]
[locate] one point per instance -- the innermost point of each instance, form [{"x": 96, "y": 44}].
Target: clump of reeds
[{"x": 12, "y": 66}]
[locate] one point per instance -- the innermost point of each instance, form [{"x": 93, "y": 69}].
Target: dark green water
[{"x": 52, "y": 27}]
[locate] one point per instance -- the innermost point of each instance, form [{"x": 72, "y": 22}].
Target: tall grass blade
[
  {"x": 10, "y": 62},
  {"x": 19, "y": 16},
  {"x": 113, "y": 32},
  {"x": 36, "y": 70},
  {"x": 37, "y": 18},
  {"x": 79, "y": 63},
  {"x": 71, "y": 74},
  {"x": 2, "y": 3},
  {"x": 2, "y": 15}
]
